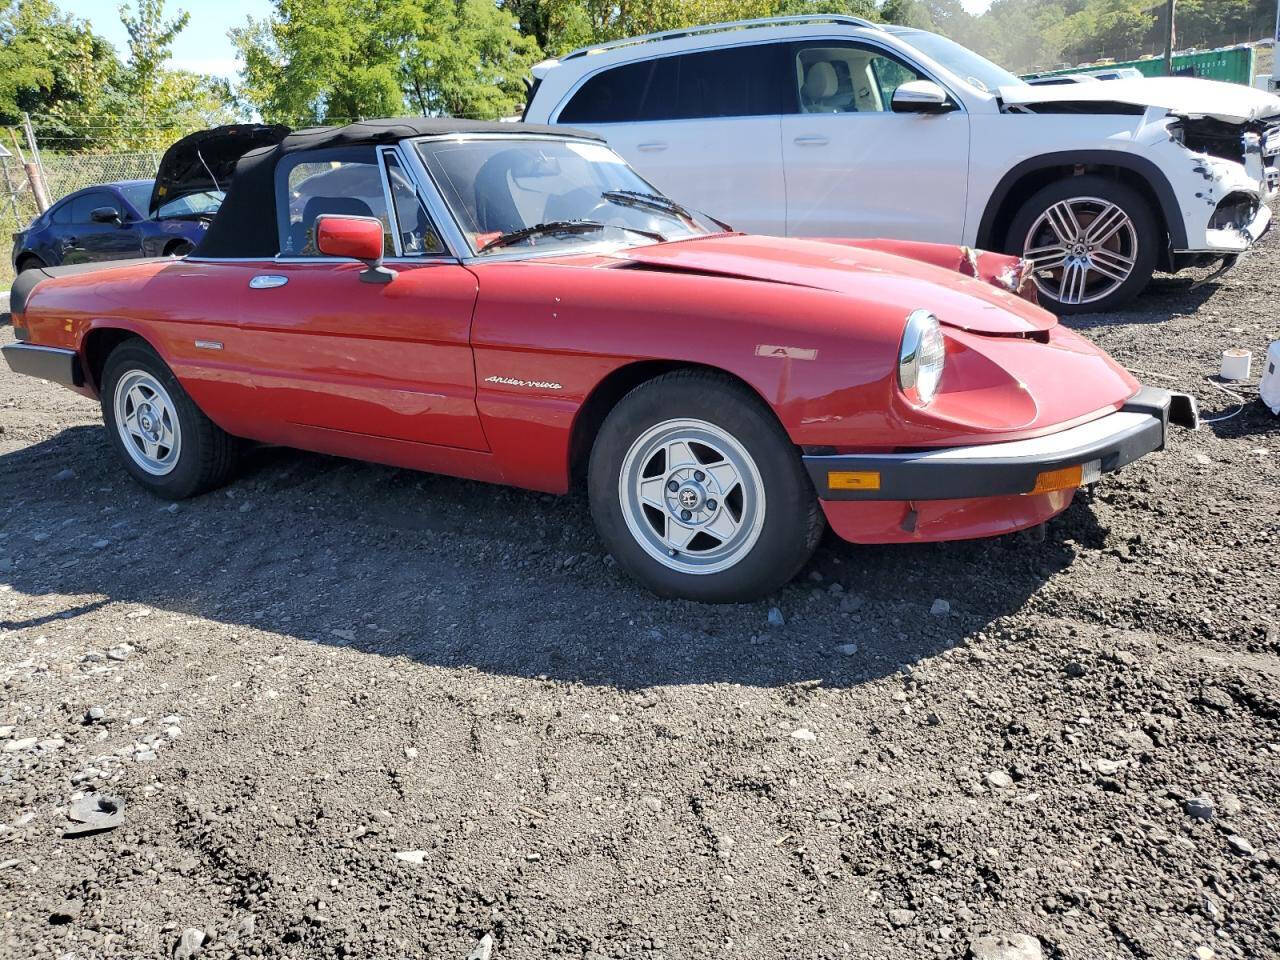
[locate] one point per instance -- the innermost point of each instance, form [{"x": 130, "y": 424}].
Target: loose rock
[{"x": 1018, "y": 946}]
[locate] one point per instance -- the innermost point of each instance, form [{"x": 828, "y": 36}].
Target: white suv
[{"x": 834, "y": 126}]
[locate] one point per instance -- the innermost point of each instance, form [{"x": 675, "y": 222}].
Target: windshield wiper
[
  {"x": 562, "y": 226},
  {"x": 637, "y": 198}
]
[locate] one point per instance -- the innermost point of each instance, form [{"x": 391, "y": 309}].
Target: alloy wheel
[
  {"x": 147, "y": 421},
  {"x": 692, "y": 496},
  {"x": 1081, "y": 250}
]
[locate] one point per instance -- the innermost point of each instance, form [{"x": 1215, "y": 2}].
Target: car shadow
[
  {"x": 461, "y": 574},
  {"x": 1166, "y": 297}
]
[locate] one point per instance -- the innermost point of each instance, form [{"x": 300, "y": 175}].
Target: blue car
[
  {"x": 108, "y": 222},
  {"x": 164, "y": 217}
]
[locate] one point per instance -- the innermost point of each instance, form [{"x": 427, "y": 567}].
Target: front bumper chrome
[{"x": 1013, "y": 467}]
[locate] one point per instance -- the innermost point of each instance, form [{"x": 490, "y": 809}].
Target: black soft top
[
  {"x": 246, "y": 223},
  {"x": 206, "y": 160}
]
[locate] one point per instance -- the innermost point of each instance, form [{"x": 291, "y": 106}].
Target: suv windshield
[
  {"x": 510, "y": 194},
  {"x": 961, "y": 61}
]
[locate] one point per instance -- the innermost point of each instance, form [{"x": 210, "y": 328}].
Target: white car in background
[{"x": 832, "y": 126}]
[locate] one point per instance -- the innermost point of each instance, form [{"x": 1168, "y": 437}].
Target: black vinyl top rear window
[{"x": 734, "y": 82}]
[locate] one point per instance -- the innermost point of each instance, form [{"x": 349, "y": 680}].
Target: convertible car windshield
[{"x": 551, "y": 194}]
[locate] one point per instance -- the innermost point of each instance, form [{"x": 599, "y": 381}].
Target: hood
[
  {"x": 206, "y": 160},
  {"x": 1184, "y": 96},
  {"x": 868, "y": 275}
]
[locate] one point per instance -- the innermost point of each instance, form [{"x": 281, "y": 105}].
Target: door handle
[
  {"x": 652, "y": 146},
  {"x": 813, "y": 141},
  {"x": 267, "y": 281}
]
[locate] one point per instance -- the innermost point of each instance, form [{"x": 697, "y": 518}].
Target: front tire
[
  {"x": 698, "y": 493},
  {"x": 166, "y": 443},
  {"x": 1093, "y": 242}
]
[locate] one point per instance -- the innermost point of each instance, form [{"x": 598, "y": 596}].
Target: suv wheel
[
  {"x": 1093, "y": 243},
  {"x": 167, "y": 444},
  {"x": 698, "y": 492}
]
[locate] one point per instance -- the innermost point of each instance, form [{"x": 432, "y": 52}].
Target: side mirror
[
  {"x": 104, "y": 215},
  {"x": 359, "y": 238},
  {"x": 921, "y": 96}
]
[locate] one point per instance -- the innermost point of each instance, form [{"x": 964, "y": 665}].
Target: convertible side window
[
  {"x": 846, "y": 78},
  {"x": 417, "y": 234},
  {"x": 343, "y": 181},
  {"x": 733, "y": 82}
]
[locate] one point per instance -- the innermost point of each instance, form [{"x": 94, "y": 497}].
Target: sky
[{"x": 203, "y": 47}]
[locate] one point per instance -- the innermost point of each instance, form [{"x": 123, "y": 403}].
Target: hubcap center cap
[{"x": 691, "y": 496}]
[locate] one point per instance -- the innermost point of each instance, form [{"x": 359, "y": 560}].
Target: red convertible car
[{"x": 514, "y": 304}]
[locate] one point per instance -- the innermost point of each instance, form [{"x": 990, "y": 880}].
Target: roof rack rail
[{"x": 723, "y": 28}]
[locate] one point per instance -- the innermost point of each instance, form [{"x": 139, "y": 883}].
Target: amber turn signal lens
[
  {"x": 853, "y": 480},
  {"x": 1063, "y": 479}
]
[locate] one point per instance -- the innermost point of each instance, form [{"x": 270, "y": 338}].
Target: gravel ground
[{"x": 351, "y": 711}]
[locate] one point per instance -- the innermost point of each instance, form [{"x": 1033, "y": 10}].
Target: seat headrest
[{"x": 821, "y": 81}]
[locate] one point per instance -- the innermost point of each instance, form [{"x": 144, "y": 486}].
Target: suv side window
[
  {"x": 81, "y": 207},
  {"x": 834, "y": 77},
  {"x": 731, "y": 82}
]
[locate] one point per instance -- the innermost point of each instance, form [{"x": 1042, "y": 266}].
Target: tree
[
  {"x": 339, "y": 60},
  {"x": 53, "y": 67},
  {"x": 154, "y": 104}
]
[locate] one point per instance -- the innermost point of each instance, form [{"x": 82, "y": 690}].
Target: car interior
[{"x": 847, "y": 80}]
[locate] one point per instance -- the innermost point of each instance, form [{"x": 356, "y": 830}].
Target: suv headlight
[{"x": 921, "y": 357}]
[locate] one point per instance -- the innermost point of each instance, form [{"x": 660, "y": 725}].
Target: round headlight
[{"x": 921, "y": 357}]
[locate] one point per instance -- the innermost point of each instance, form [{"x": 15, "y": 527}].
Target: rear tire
[
  {"x": 30, "y": 262},
  {"x": 178, "y": 248},
  {"x": 166, "y": 443},
  {"x": 1097, "y": 239},
  {"x": 698, "y": 492}
]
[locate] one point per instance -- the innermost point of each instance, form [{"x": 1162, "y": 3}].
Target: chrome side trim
[{"x": 800, "y": 19}]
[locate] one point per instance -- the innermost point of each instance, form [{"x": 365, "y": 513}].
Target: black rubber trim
[
  {"x": 47, "y": 363},
  {"x": 28, "y": 279},
  {"x": 908, "y": 477},
  {"x": 1149, "y": 172}
]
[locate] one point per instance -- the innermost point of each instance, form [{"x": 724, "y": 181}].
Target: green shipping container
[{"x": 1231, "y": 64}]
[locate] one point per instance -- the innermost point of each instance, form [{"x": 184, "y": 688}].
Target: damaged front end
[
  {"x": 1237, "y": 175},
  {"x": 1008, "y": 272},
  {"x": 1254, "y": 144}
]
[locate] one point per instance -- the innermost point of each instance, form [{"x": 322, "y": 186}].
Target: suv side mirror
[
  {"x": 104, "y": 215},
  {"x": 921, "y": 96},
  {"x": 359, "y": 238}
]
